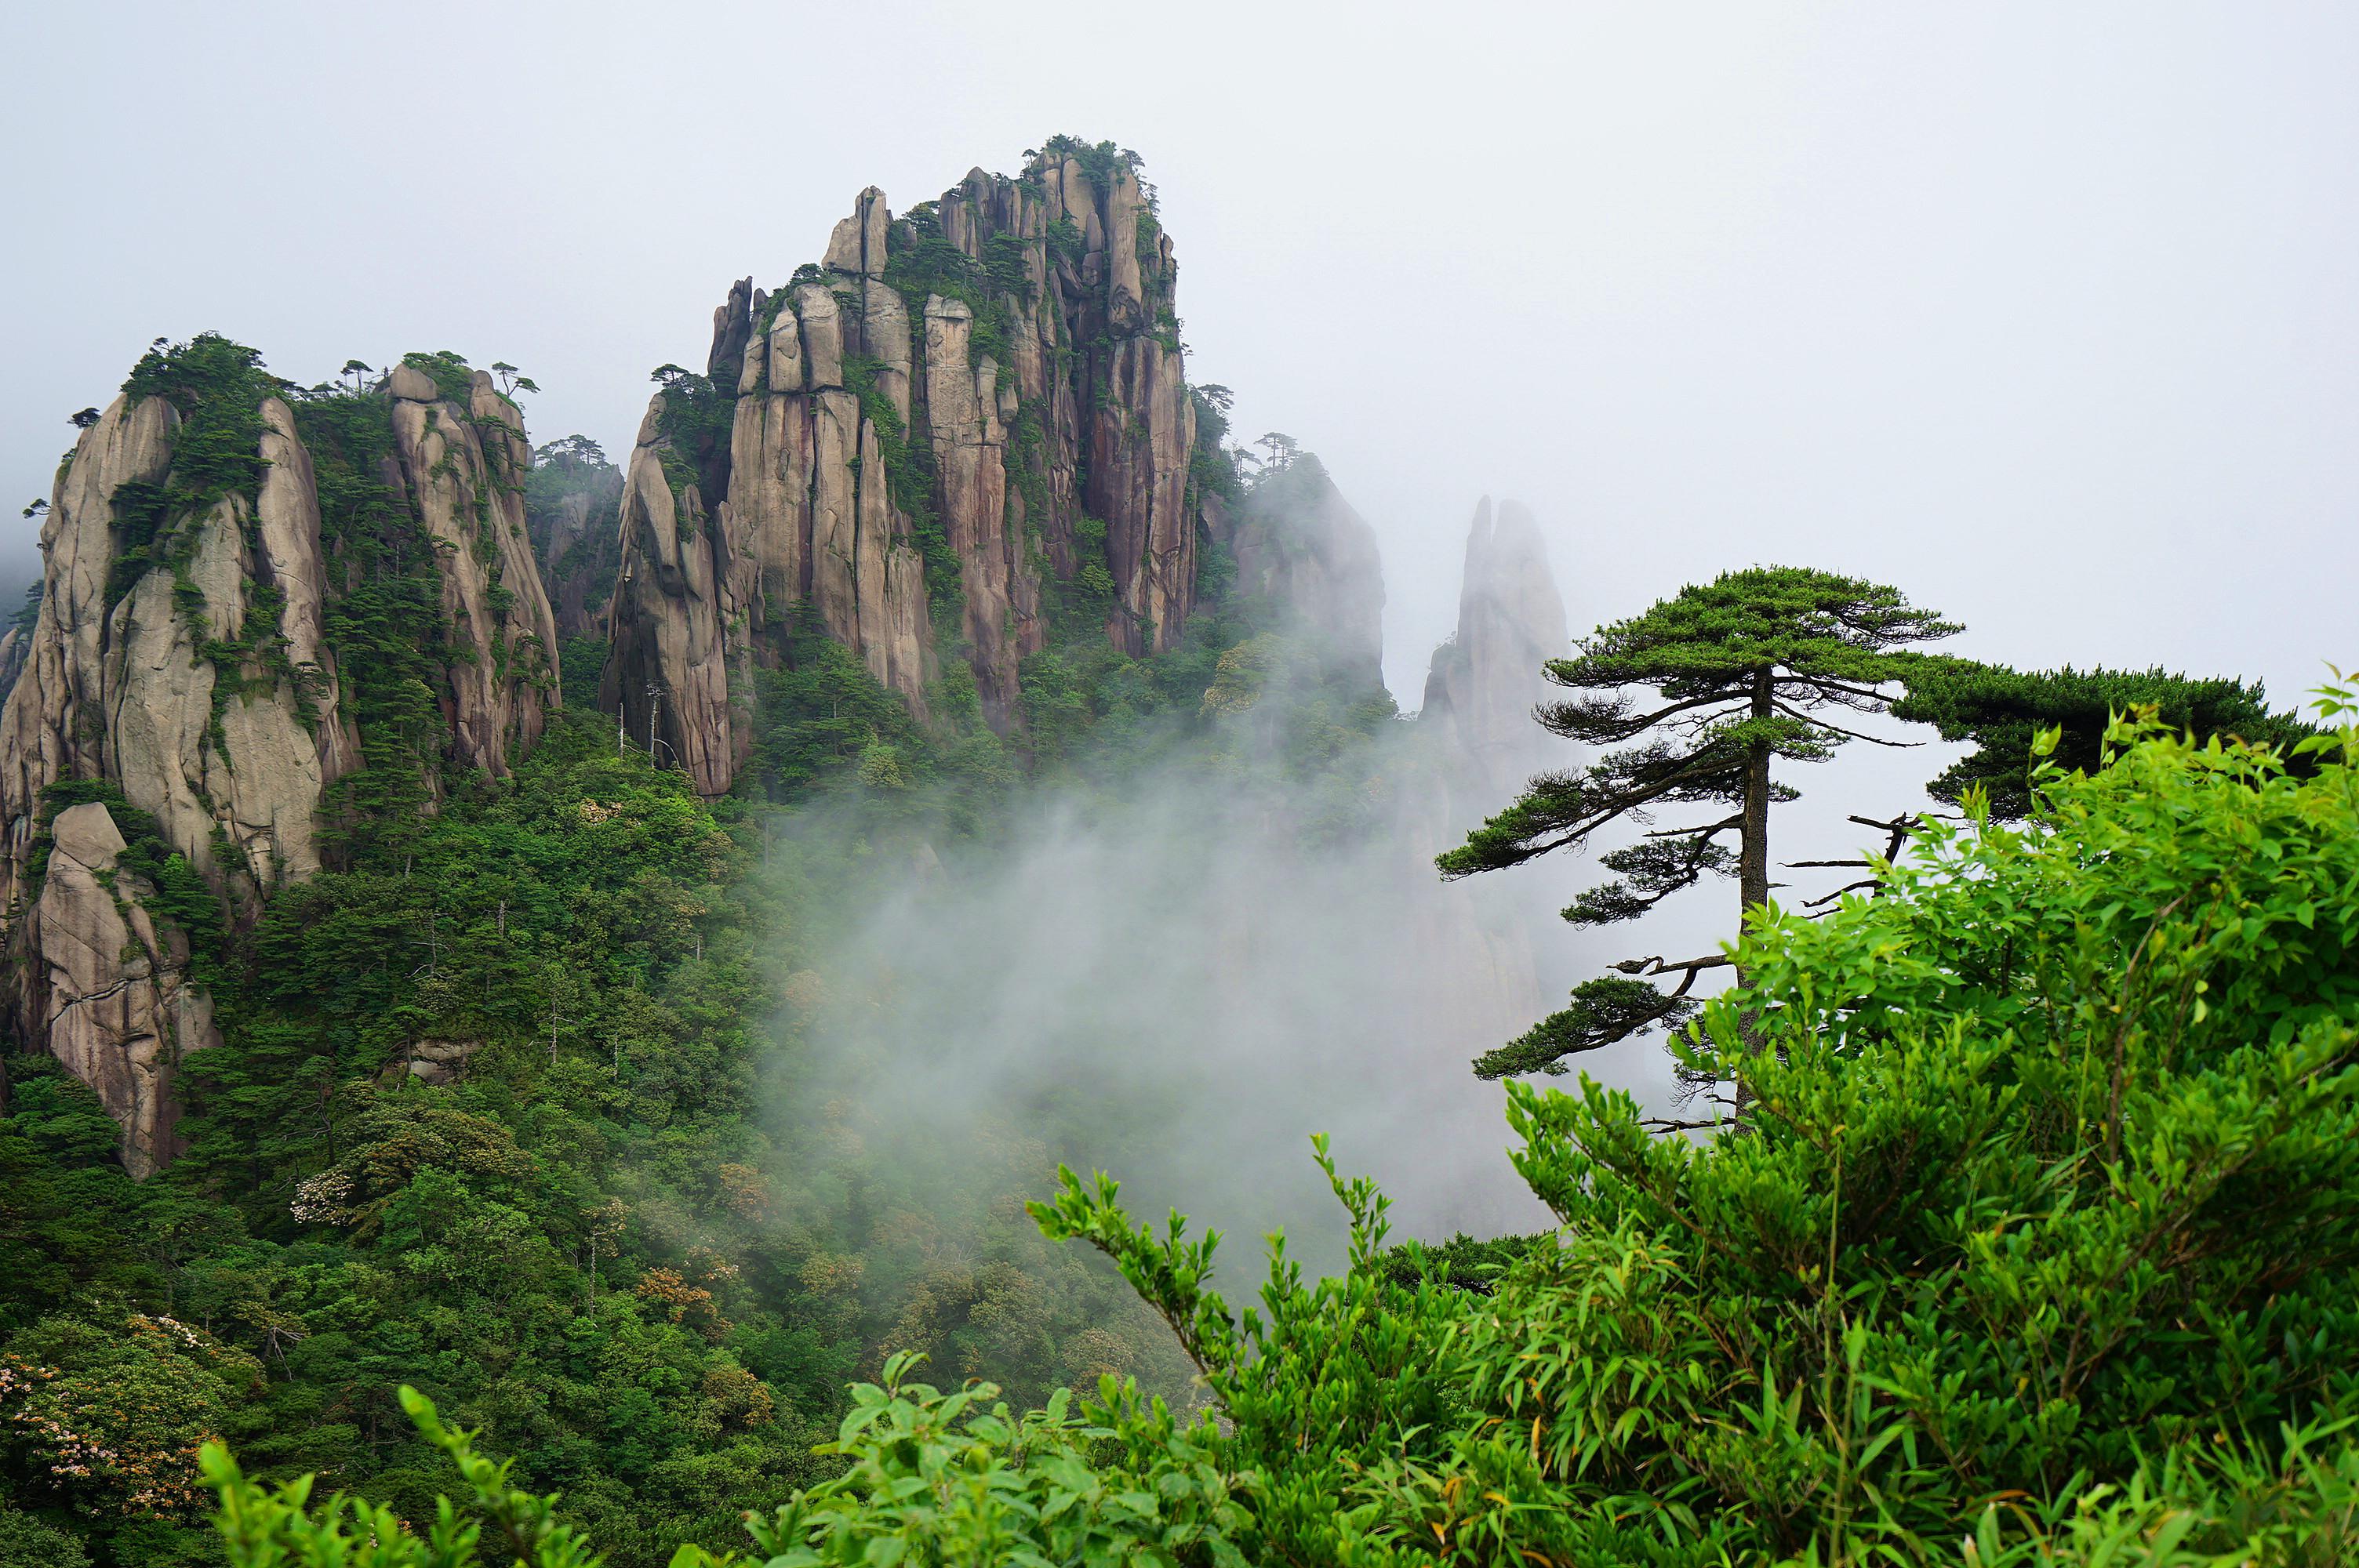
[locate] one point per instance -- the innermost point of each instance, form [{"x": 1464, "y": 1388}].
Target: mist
[
  {"x": 1179, "y": 967},
  {"x": 1170, "y": 985}
]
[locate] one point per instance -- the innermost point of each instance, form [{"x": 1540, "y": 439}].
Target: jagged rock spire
[
  {"x": 1482, "y": 683},
  {"x": 955, "y": 409}
]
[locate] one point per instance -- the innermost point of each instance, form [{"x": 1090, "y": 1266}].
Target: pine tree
[
  {"x": 1745, "y": 666},
  {"x": 2002, "y": 709}
]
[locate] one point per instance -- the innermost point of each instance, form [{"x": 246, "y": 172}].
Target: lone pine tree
[{"x": 1746, "y": 667}]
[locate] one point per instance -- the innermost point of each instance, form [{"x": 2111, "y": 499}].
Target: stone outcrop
[
  {"x": 958, "y": 418},
  {"x": 668, "y": 666},
  {"x": 110, "y": 990},
  {"x": 1309, "y": 562},
  {"x": 1483, "y": 682},
  {"x": 463, "y": 465},
  {"x": 177, "y": 667},
  {"x": 130, "y": 683}
]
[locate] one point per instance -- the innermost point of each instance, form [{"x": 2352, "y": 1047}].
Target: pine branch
[{"x": 1853, "y": 734}]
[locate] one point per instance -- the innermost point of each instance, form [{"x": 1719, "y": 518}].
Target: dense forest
[{"x": 573, "y": 1150}]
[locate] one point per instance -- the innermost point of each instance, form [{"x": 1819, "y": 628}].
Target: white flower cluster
[{"x": 319, "y": 1200}]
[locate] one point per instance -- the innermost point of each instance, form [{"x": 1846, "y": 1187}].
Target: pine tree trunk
[
  {"x": 1753, "y": 857},
  {"x": 1753, "y": 861}
]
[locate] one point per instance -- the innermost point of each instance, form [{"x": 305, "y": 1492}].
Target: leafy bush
[{"x": 929, "y": 1478}]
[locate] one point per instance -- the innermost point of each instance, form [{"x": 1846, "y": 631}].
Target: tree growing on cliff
[{"x": 1744, "y": 668}]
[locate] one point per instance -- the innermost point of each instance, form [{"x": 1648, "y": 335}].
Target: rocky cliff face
[
  {"x": 179, "y": 693},
  {"x": 189, "y": 667},
  {"x": 110, "y": 988},
  {"x": 464, "y": 458},
  {"x": 957, "y": 421}
]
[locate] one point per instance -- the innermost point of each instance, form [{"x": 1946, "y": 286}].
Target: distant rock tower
[
  {"x": 1483, "y": 681},
  {"x": 1479, "y": 743}
]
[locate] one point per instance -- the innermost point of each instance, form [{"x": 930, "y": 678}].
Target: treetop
[{"x": 1712, "y": 637}]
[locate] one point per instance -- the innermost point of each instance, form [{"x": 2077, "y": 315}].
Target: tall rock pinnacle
[
  {"x": 180, "y": 709},
  {"x": 1482, "y": 683},
  {"x": 960, "y": 419}
]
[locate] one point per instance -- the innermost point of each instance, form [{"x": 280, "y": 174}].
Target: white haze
[
  {"x": 1149, "y": 993},
  {"x": 1160, "y": 982}
]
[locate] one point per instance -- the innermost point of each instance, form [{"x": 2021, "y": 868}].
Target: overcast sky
[{"x": 2049, "y": 314}]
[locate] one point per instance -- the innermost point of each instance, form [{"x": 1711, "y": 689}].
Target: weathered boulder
[{"x": 440, "y": 1062}]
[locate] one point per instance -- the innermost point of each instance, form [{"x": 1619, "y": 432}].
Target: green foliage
[
  {"x": 583, "y": 660},
  {"x": 29, "y": 611},
  {"x": 1603, "y": 1010},
  {"x": 218, "y": 387},
  {"x": 105, "y": 1411},
  {"x": 451, "y": 373},
  {"x": 552, "y": 1242},
  {"x": 2002, "y": 711},
  {"x": 696, "y": 422},
  {"x": 1103, "y": 164},
  {"x": 570, "y": 495},
  {"x": 27, "y": 1541},
  {"x": 1739, "y": 663},
  {"x": 952, "y": 1478},
  {"x": 1212, "y": 469},
  {"x": 2045, "y": 1235},
  {"x": 929, "y": 1478},
  {"x": 822, "y": 710},
  {"x": 920, "y": 260},
  {"x": 385, "y": 628},
  {"x": 263, "y": 1527}
]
